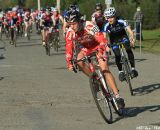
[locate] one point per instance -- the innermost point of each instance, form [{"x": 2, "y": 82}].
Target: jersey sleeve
[
  {"x": 69, "y": 45},
  {"x": 94, "y": 30}
]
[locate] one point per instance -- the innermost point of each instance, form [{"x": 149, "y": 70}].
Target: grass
[{"x": 151, "y": 42}]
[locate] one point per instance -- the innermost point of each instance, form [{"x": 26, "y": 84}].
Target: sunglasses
[{"x": 110, "y": 17}]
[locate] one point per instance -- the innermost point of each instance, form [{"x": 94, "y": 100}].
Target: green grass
[{"x": 151, "y": 42}]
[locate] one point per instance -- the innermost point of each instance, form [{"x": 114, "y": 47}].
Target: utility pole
[
  {"x": 58, "y": 5},
  {"x": 39, "y": 4}
]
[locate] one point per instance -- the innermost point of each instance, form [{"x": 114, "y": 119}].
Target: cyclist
[
  {"x": 27, "y": 20},
  {"x": 57, "y": 18},
  {"x": 90, "y": 39},
  {"x": 14, "y": 19},
  {"x": 98, "y": 17},
  {"x": 46, "y": 22},
  {"x": 116, "y": 29}
]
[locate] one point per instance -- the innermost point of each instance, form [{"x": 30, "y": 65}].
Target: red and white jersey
[{"x": 89, "y": 37}]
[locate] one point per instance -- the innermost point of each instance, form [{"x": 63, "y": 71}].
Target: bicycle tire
[
  {"x": 105, "y": 113},
  {"x": 56, "y": 44},
  {"x": 15, "y": 38},
  {"x": 127, "y": 75},
  {"x": 28, "y": 34},
  {"x": 47, "y": 48}
]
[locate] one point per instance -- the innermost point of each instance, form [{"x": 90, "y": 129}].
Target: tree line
[{"x": 125, "y": 8}]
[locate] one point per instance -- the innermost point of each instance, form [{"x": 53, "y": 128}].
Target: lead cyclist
[{"x": 90, "y": 39}]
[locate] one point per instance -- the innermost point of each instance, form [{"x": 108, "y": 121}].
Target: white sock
[
  {"x": 133, "y": 68},
  {"x": 117, "y": 95}
]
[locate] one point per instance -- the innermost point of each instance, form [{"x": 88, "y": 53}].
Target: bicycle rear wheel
[{"x": 103, "y": 103}]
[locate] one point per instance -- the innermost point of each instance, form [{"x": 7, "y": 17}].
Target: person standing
[{"x": 138, "y": 18}]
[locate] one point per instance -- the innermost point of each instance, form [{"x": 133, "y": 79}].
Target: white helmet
[
  {"x": 14, "y": 9},
  {"x": 110, "y": 12},
  {"x": 55, "y": 9}
]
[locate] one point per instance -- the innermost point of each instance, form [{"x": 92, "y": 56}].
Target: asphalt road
[{"x": 38, "y": 93}]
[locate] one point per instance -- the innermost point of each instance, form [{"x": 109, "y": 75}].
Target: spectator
[{"x": 139, "y": 18}]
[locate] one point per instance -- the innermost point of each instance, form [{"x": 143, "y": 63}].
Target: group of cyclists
[
  {"x": 23, "y": 19},
  {"x": 91, "y": 36}
]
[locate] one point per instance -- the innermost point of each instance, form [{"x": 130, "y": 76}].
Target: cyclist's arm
[
  {"x": 69, "y": 46},
  {"x": 131, "y": 35},
  {"x": 53, "y": 20},
  {"x": 61, "y": 18}
]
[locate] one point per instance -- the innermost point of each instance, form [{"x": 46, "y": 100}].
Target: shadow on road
[
  {"x": 155, "y": 124},
  {"x": 134, "y": 111},
  {"x": 61, "y": 68},
  {"x": 53, "y": 54},
  {"x": 21, "y": 44},
  {"x": 1, "y": 78},
  {"x": 140, "y": 60},
  {"x": 146, "y": 89}
]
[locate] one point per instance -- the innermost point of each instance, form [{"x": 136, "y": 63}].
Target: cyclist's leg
[
  {"x": 111, "y": 82},
  {"x": 26, "y": 27},
  {"x": 12, "y": 30},
  {"x": 46, "y": 35},
  {"x": 130, "y": 55},
  {"x": 85, "y": 69},
  {"x": 131, "y": 60},
  {"x": 118, "y": 58},
  {"x": 43, "y": 36},
  {"x": 109, "y": 77}
]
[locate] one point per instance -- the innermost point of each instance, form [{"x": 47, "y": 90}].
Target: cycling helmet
[
  {"x": 110, "y": 12},
  {"x": 73, "y": 16},
  {"x": 55, "y": 9},
  {"x": 98, "y": 6},
  {"x": 14, "y": 9},
  {"x": 48, "y": 9}
]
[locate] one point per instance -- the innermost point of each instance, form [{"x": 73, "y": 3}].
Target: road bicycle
[
  {"x": 56, "y": 39},
  {"x": 126, "y": 68},
  {"x": 102, "y": 94}
]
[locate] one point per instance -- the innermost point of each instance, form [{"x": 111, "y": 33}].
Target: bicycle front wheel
[
  {"x": 127, "y": 76},
  {"x": 103, "y": 103},
  {"x": 47, "y": 48}
]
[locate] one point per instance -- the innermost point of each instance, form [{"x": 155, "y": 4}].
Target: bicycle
[
  {"x": 29, "y": 32},
  {"x": 56, "y": 39},
  {"x": 48, "y": 40},
  {"x": 126, "y": 68},
  {"x": 103, "y": 96}
]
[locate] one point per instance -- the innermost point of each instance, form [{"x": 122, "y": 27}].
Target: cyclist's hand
[
  {"x": 108, "y": 49},
  {"x": 132, "y": 41}
]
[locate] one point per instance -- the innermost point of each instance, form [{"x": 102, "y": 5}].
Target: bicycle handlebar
[{"x": 74, "y": 61}]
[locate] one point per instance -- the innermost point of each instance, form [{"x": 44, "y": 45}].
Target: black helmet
[
  {"x": 98, "y": 6},
  {"x": 73, "y": 16},
  {"x": 48, "y": 9}
]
